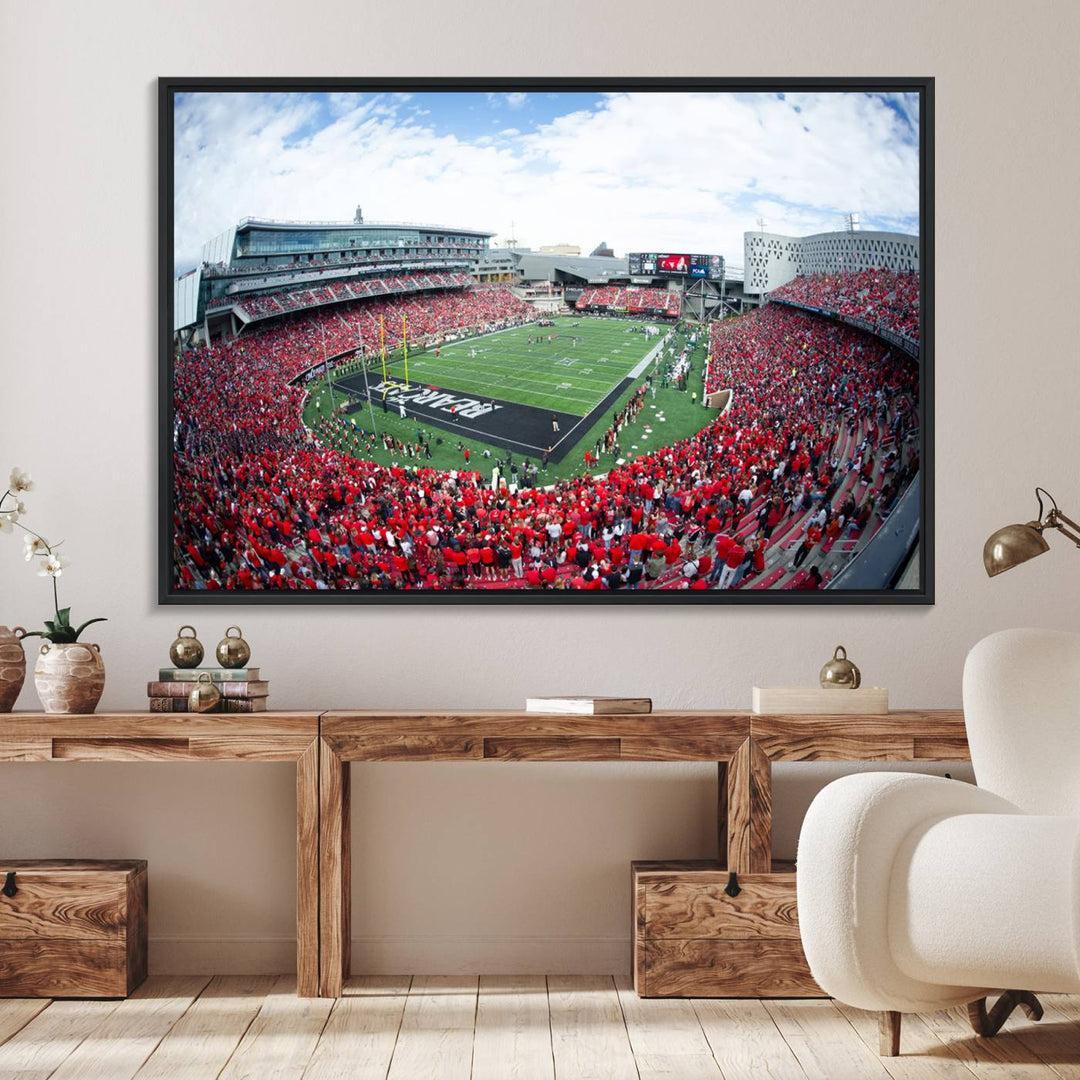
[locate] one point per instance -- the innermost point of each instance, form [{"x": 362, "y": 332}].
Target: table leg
[
  {"x": 334, "y": 872},
  {"x": 722, "y": 813},
  {"x": 749, "y": 810},
  {"x": 307, "y": 871}
]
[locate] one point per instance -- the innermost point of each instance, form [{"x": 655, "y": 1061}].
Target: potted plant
[{"x": 69, "y": 674}]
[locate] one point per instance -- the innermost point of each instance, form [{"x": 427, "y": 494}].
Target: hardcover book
[
  {"x": 176, "y": 688},
  {"x": 228, "y": 705},
  {"x": 588, "y": 706},
  {"x": 191, "y": 674}
]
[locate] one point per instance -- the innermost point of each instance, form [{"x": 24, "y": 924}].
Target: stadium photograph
[{"x": 563, "y": 342}]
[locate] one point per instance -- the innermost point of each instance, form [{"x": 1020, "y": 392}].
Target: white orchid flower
[
  {"x": 34, "y": 545},
  {"x": 20, "y": 480},
  {"x": 53, "y": 566},
  {"x": 7, "y": 520}
]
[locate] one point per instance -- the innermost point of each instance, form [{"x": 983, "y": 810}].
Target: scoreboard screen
[{"x": 654, "y": 263}]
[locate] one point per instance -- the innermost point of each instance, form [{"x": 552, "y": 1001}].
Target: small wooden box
[
  {"x": 817, "y": 701},
  {"x": 72, "y": 928},
  {"x": 691, "y": 939}
]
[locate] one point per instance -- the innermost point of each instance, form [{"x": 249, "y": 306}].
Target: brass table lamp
[{"x": 1014, "y": 544}]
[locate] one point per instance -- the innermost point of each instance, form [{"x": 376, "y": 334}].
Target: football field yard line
[
  {"x": 498, "y": 374},
  {"x": 547, "y": 377},
  {"x": 520, "y": 374},
  {"x": 552, "y": 399}
]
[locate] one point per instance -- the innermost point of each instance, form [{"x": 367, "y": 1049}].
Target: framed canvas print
[{"x": 567, "y": 341}]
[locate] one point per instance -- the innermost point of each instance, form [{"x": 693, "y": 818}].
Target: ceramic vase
[
  {"x": 12, "y": 667},
  {"x": 69, "y": 678}
]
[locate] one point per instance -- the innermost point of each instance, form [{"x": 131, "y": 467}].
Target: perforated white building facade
[{"x": 772, "y": 260}]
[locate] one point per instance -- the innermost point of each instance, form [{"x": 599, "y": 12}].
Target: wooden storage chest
[
  {"x": 71, "y": 928},
  {"x": 692, "y": 939}
]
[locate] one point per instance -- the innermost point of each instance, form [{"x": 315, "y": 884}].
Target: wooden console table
[
  {"x": 742, "y": 744},
  {"x": 136, "y": 736},
  {"x": 322, "y": 745}
]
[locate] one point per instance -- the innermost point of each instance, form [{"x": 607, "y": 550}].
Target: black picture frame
[{"x": 168, "y": 87}]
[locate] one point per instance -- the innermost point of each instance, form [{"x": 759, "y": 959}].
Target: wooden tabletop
[
  {"x": 684, "y": 735},
  {"x": 513, "y": 735},
  {"x": 152, "y": 736},
  {"x": 901, "y": 735}
]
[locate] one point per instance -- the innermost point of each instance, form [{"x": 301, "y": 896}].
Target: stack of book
[{"x": 241, "y": 689}]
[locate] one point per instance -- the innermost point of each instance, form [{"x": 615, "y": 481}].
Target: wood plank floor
[{"x": 525, "y": 1027}]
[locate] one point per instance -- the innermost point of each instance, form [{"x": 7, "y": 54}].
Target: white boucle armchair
[{"x": 917, "y": 893}]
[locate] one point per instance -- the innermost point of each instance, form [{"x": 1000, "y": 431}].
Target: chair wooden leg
[
  {"x": 889, "y": 1033},
  {"x": 988, "y": 1024}
]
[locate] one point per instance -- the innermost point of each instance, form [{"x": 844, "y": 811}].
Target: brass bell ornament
[
  {"x": 840, "y": 673},
  {"x": 186, "y": 651},
  {"x": 233, "y": 652},
  {"x": 204, "y": 696}
]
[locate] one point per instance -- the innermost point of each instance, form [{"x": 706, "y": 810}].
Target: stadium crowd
[
  {"x": 813, "y": 445},
  {"x": 640, "y": 299},
  {"x": 279, "y": 303},
  {"x": 888, "y": 299}
]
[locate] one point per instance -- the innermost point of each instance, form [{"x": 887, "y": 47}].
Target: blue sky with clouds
[{"x": 643, "y": 171}]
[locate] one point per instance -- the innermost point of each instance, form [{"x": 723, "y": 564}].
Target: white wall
[{"x": 493, "y": 867}]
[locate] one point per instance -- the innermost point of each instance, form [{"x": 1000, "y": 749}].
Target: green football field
[
  {"x": 511, "y": 369},
  {"x": 571, "y": 373}
]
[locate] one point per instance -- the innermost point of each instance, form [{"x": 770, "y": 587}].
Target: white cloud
[{"x": 644, "y": 171}]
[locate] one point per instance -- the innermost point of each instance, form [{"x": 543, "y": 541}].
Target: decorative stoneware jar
[
  {"x": 233, "y": 652},
  {"x": 69, "y": 678},
  {"x": 12, "y": 666}
]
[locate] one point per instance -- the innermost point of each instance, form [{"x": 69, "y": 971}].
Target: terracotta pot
[
  {"x": 12, "y": 666},
  {"x": 69, "y": 678}
]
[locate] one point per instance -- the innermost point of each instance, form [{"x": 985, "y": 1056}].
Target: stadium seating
[
  {"x": 269, "y": 305},
  {"x": 817, "y": 437},
  {"x": 633, "y": 299},
  {"x": 885, "y": 298}
]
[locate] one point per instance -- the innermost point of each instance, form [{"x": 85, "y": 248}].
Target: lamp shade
[{"x": 1012, "y": 545}]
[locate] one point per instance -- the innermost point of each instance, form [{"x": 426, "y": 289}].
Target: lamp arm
[{"x": 1059, "y": 521}]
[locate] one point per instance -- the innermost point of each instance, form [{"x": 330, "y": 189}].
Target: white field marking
[
  {"x": 469, "y": 365},
  {"x": 579, "y": 423},
  {"x": 505, "y": 379},
  {"x": 450, "y": 349},
  {"x": 586, "y": 371},
  {"x": 511, "y": 382},
  {"x": 646, "y": 360}
]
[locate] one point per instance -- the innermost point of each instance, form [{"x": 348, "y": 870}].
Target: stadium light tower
[{"x": 851, "y": 220}]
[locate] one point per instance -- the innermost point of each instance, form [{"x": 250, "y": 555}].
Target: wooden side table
[
  {"x": 500, "y": 736},
  {"x": 259, "y": 737}
]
